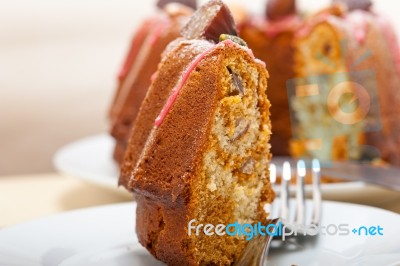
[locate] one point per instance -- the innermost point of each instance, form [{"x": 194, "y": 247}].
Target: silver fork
[{"x": 256, "y": 251}]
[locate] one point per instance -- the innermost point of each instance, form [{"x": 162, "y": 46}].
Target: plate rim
[
  {"x": 107, "y": 182},
  {"x": 133, "y": 203},
  {"x": 86, "y": 217}
]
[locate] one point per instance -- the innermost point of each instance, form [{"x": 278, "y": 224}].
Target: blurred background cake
[
  {"x": 333, "y": 79},
  {"x": 322, "y": 105},
  {"x": 140, "y": 65},
  {"x": 270, "y": 36},
  {"x": 42, "y": 42},
  {"x": 345, "y": 98}
]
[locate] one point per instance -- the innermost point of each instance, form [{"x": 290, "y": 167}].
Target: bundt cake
[
  {"x": 148, "y": 43},
  {"x": 271, "y": 39},
  {"x": 345, "y": 99},
  {"x": 333, "y": 80},
  {"x": 199, "y": 148}
]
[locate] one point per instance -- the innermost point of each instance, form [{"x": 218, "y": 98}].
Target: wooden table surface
[{"x": 23, "y": 198}]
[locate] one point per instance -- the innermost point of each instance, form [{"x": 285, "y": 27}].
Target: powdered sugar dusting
[
  {"x": 273, "y": 28},
  {"x": 258, "y": 61},
  {"x": 160, "y": 28},
  {"x": 154, "y": 76}
]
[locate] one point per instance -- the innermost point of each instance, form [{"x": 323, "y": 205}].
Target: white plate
[
  {"x": 91, "y": 159},
  {"x": 105, "y": 236}
]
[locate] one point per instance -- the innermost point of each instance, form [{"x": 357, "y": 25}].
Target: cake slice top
[{"x": 209, "y": 22}]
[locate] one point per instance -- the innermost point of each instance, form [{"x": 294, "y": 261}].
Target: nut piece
[
  {"x": 277, "y": 9},
  {"x": 209, "y": 22},
  {"x": 356, "y": 4},
  {"x": 237, "y": 84},
  {"x": 241, "y": 128},
  {"x": 189, "y": 3},
  {"x": 248, "y": 166},
  {"x": 235, "y": 39}
]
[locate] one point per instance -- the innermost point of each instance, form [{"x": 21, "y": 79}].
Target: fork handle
[{"x": 256, "y": 250}]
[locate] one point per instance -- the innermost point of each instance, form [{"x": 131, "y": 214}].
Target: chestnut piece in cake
[
  {"x": 200, "y": 152},
  {"x": 208, "y": 25}
]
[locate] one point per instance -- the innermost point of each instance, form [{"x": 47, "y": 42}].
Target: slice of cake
[
  {"x": 324, "y": 48},
  {"x": 347, "y": 61},
  {"x": 271, "y": 39},
  {"x": 134, "y": 78},
  {"x": 199, "y": 149}
]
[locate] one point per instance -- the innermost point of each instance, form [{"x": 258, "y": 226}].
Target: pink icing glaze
[
  {"x": 356, "y": 20},
  {"x": 228, "y": 43},
  {"x": 157, "y": 26},
  {"x": 160, "y": 28},
  {"x": 179, "y": 86},
  {"x": 185, "y": 77},
  {"x": 359, "y": 23},
  {"x": 391, "y": 38},
  {"x": 273, "y": 28},
  {"x": 250, "y": 52},
  {"x": 307, "y": 27},
  {"x": 260, "y": 62},
  {"x": 154, "y": 76},
  {"x": 135, "y": 46}
]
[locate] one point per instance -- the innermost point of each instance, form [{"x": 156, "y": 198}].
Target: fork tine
[
  {"x": 300, "y": 198},
  {"x": 272, "y": 173},
  {"x": 317, "y": 198},
  {"x": 284, "y": 195},
  {"x": 271, "y": 208}
]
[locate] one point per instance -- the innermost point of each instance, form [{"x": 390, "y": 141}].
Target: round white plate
[
  {"x": 105, "y": 236},
  {"x": 91, "y": 159}
]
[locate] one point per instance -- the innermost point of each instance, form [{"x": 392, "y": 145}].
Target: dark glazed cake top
[
  {"x": 189, "y": 3},
  {"x": 355, "y": 4},
  {"x": 209, "y": 22},
  {"x": 277, "y": 9}
]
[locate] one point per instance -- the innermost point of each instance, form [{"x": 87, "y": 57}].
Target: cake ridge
[{"x": 134, "y": 77}]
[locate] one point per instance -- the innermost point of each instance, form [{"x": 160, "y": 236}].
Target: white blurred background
[{"x": 58, "y": 63}]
